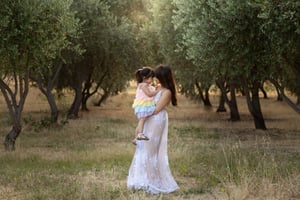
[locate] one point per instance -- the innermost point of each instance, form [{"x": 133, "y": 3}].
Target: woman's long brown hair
[{"x": 164, "y": 74}]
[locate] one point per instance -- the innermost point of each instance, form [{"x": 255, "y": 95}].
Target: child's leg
[
  {"x": 139, "y": 130},
  {"x": 140, "y": 126}
]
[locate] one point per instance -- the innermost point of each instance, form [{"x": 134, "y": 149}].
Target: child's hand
[{"x": 158, "y": 87}]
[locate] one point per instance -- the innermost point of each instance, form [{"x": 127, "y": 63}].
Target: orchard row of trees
[
  {"x": 94, "y": 46},
  {"x": 88, "y": 46},
  {"x": 236, "y": 45}
]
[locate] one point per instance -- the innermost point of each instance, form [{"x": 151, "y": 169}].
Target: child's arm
[{"x": 148, "y": 92}]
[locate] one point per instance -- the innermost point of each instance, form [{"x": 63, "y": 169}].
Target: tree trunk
[
  {"x": 46, "y": 87},
  {"x": 257, "y": 114},
  {"x": 50, "y": 98},
  {"x": 279, "y": 96},
  {"x": 234, "y": 111},
  {"x": 206, "y": 100},
  {"x": 10, "y": 139},
  {"x": 103, "y": 98},
  {"x": 221, "y": 107},
  {"x": 84, "y": 103},
  {"x": 254, "y": 107},
  {"x": 86, "y": 94},
  {"x": 73, "y": 111},
  {"x": 261, "y": 87},
  {"x": 53, "y": 107},
  {"x": 232, "y": 104},
  {"x": 15, "y": 101}
]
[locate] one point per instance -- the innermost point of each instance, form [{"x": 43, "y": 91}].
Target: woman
[{"x": 149, "y": 169}]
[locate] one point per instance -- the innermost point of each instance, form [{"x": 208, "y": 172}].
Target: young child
[{"x": 143, "y": 104}]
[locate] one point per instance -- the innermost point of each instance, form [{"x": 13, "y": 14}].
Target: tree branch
[{"x": 285, "y": 98}]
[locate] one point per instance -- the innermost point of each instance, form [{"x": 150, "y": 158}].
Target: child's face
[{"x": 148, "y": 80}]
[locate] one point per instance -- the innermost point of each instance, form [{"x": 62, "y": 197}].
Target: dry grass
[{"x": 210, "y": 157}]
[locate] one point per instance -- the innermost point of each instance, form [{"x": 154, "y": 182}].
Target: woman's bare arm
[{"x": 163, "y": 101}]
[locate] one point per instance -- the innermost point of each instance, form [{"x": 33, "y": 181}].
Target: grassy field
[{"x": 210, "y": 157}]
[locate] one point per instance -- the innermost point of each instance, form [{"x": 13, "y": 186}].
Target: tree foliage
[
  {"x": 235, "y": 41},
  {"x": 32, "y": 33},
  {"x": 109, "y": 57}
]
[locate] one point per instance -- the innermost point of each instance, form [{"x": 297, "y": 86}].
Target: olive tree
[
  {"x": 226, "y": 38},
  {"x": 32, "y": 32},
  {"x": 283, "y": 30},
  {"x": 194, "y": 20},
  {"x": 109, "y": 57}
]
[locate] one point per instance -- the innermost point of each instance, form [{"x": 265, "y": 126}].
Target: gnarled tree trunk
[
  {"x": 205, "y": 97},
  {"x": 234, "y": 112},
  {"x": 73, "y": 111},
  {"x": 15, "y": 97},
  {"x": 10, "y": 138},
  {"x": 253, "y": 103},
  {"x": 47, "y": 87},
  {"x": 221, "y": 107},
  {"x": 104, "y": 96}
]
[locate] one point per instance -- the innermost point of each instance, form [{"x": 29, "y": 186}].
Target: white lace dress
[{"x": 149, "y": 169}]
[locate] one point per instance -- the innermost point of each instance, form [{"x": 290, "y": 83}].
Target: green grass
[{"x": 89, "y": 158}]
